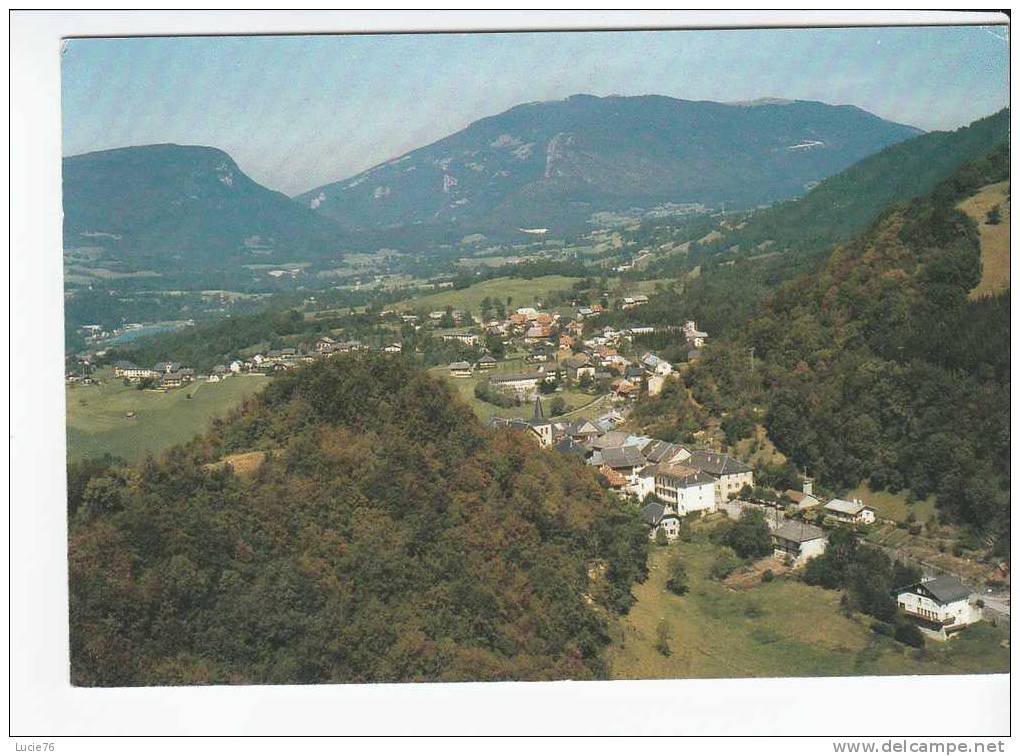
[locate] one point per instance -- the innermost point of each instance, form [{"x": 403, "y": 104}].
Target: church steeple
[{"x": 539, "y": 414}]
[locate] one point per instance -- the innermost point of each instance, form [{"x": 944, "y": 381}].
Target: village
[{"x": 670, "y": 483}]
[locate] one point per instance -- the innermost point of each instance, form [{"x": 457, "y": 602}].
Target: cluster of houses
[
  {"x": 168, "y": 374},
  {"x": 687, "y": 479},
  {"x": 674, "y": 480}
]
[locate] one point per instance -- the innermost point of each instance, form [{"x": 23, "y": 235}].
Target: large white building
[
  {"x": 684, "y": 488},
  {"x": 939, "y": 606},
  {"x": 730, "y": 473}
]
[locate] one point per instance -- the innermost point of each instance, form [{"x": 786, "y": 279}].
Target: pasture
[
  {"x": 522, "y": 292},
  {"x": 782, "y": 628},
  {"x": 98, "y": 422}
]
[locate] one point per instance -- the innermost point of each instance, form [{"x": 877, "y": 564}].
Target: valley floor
[{"x": 783, "y": 628}]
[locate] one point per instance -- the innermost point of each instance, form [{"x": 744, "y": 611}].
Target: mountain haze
[
  {"x": 552, "y": 164},
  {"x": 161, "y": 202}
]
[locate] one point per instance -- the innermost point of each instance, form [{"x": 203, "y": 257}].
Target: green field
[
  {"x": 890, "y": 506},
  {"x": 97, "y": 420},
  {"x": 779, "y": 629},
  {"x": 522, "y": 291},
  {"x": 465, "y": 388}
]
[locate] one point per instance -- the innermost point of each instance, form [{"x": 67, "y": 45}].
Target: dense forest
[
  {"x": 381, "y": 535},
  {"x": 878, "y": 366}
]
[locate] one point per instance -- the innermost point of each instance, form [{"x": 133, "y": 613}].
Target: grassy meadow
[
  {"x": 994, "y": 238},
  {"x": 522, "y": 291},
  {"x": 783, "y": 628},
  {"x": 97, "y": 420}
]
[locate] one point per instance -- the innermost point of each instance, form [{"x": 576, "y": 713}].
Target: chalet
[
  {"x": 623, "y": 387},
  {"x": 658, "y": 517},
  {"x": 693, "y": 336},
  {"x": 235, "y": 366},
  {"x": 800, "y": 499},
  {"x": 460, "y": 369},
  {"x": 569, "y": 446},
  {"x": 634, "y": 374},
  {"x": 939, "y": 606},
  {"x": 798, "y": 541},
  {"x": 852, "y": 512},
  {"x": 325, "y": 345},
  {"x": 572, "y": 365},
  {"x": 657, "y": 451},
  {"x": 729, "y": 472},
  {"x": 626, "y": 460},
  {"x": 177, "y": 378},
  {"x": 524, "y": 385},
  {"x": 537, "y": 333},
  {"x": 566, "y": 341},
  {"x": 655, "y": 364},
  {"x": 583, "y": 430},
  {"x": 685, "y": 488},
  {"x": 632, "y": 302},
  {"x": 616, "y": 480},
  {"x": 393, "y": 348},
  {"x": 486, "y": 362}
]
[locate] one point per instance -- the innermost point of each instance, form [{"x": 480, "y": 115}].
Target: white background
[{"x": 43, "y": 705}]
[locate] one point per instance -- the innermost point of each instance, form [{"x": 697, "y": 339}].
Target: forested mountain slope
[
  {"x": 844, "y": 205},
  {"x": 386, "y": 537},
  {"x": 881, "y": 368}
]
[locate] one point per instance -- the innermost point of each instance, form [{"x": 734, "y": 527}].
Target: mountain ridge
[
  {"x": 538, "y": 162},
  {"x": 192, "y": 203}
]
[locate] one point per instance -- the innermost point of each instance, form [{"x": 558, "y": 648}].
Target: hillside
[
  {"x": 174, "y": 206},
  {"x": 552, "y": 164},
  {"x": 386, "y": 537},
  {"x": 742, "y": 263},
  {"x": 993, "y": 233},
  {"x": 848, "y": 202},
  {"x": 880, "y": 367}
]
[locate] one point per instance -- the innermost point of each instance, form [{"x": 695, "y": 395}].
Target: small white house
[
  {"x": 798, "y": 541},
  {"x": 939, "y": 606},
  {"x": 659, "y": 517},
  {"x": 853, "y": 512}
]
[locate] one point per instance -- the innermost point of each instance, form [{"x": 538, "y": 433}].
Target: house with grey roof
[
  {"x": 685, "y": 488},
  {"x": 851, "y": 512},
  {"x": 660, "y": 517},
  {"x": 939, "y": 606},
  {"x": 798, "y": 541},
  {"x": 730, "y": 473},
  {"x": 626, "y": 460}
]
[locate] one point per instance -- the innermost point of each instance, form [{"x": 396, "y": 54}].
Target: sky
[{"x": 297, "y": 112}]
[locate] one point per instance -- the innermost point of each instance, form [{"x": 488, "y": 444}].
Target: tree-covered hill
[
  {"x": 844, "y": 205},
  {"x": 386, "y": 536},
  {"x": 880, "y": 368}
]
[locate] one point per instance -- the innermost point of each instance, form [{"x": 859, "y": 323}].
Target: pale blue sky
[{"x": 297, "y": 112}]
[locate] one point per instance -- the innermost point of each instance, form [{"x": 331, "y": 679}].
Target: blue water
[{"x": 148, "y": 330}]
